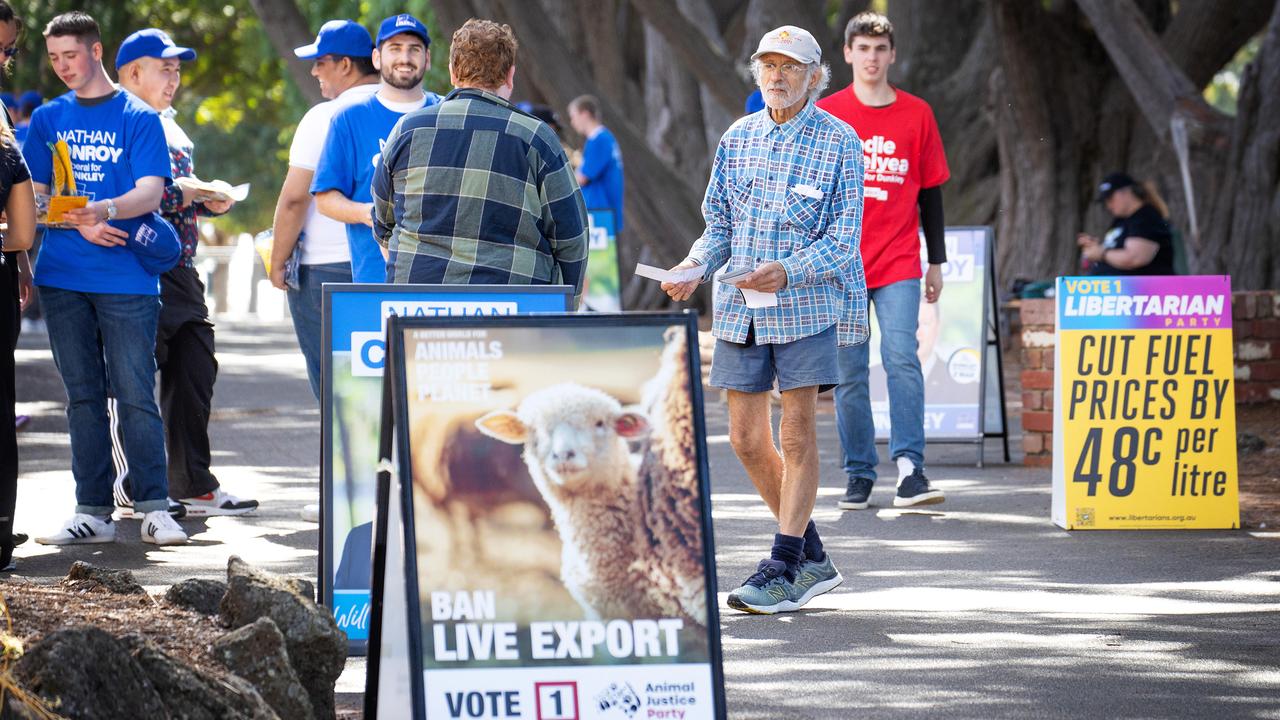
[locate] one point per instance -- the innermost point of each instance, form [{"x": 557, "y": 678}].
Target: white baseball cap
[{"x": 796, "y": 43}]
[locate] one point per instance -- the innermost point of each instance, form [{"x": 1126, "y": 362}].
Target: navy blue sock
[
  {"x": 790, "y": 550},
  {"x": 813, "y": 543}
]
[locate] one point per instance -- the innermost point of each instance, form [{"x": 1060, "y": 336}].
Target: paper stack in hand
[
  {"x": 203, "y": 190},
  {"x": 753, "y": 298}
]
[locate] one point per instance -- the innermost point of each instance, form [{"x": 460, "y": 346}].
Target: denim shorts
[{"x": 751, "y": 367}]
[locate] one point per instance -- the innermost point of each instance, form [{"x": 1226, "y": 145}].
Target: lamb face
[{"x": 574, "y": 436}]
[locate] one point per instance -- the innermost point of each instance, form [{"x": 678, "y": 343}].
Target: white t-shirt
[{"x": 326, "y": 238}]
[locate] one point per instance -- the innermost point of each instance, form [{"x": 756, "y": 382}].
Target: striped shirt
[
  {"x": 473, "y": 191},
  {"x": 790, "y": 193}
]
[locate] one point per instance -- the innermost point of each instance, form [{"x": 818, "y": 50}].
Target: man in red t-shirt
[{"x": 905, "y": 168}]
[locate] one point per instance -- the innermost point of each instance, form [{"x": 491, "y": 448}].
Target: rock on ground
[
  {"x": 89, "y": 675},
  {"x": 317, "y": 648},
  {"x": 84, "y": 576},
  {"x": 202, "y": 596},
  {"x": 189, "y": 695},
  {"x": 256, "y": 652}
]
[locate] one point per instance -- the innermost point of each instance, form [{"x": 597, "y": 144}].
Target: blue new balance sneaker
[
  {"x": 815, "y": 578},
  {"x": 766, "y": 592}
]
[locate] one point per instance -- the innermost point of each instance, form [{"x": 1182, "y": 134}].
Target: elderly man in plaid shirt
[
  {"x": 474, "y": 191},
  {"x": 785, "y": 204}
]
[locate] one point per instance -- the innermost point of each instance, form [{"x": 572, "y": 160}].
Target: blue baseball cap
[
  {"x": 30, "y": 99},
  {"x": 153, "y": 242},
  {"x": 338, "y": 37},
  {"x": 402, "y": 23},
  {"x": 150, "y": 43},
  {"x": 8, "y": 99}
]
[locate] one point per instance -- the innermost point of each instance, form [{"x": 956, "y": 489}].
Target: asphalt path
[{"x": 976, "y": 608}]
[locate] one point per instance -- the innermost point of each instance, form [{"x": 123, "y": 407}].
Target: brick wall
[
  {"x": 1255, "y": 319},
  {"x": 1037, "y": 381}
]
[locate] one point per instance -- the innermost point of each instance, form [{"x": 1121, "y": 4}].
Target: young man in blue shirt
[
  {"x": 600, "y": 174},
  {"x": 101, "y": 304},
  {"x": 358, "y": 134}
]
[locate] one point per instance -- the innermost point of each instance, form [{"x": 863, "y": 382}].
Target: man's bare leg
[
  {"x": 788, "y": 483},
  {"x": 799, "y": 439},
  {"x": 751, "y": 435}
]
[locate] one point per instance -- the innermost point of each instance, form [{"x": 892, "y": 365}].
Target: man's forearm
[
  {"x": 143, "y": 198},
  {"x": 286, "y": 227},
  {"x": 334, "y": 204},
  {"x": 934, "y": 224}
]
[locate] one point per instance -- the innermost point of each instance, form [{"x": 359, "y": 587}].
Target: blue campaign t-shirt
[
  {"x": 113, "y": 143},
  {"x": 351, "y": 152},
  {"x": 602, "y": 166}
]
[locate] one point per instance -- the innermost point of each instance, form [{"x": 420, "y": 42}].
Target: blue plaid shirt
[{"x": 790, "y": 193}]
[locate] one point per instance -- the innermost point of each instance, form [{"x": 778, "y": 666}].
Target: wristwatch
[{"x": 111, "y": 209}]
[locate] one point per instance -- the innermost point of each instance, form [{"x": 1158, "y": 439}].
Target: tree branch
[
  {"x": 1160, "y": 88},
  {"x": 702, "y": 55},
  {"x": 1204, "y": 36},
  {"x": 287, "y": 29}
]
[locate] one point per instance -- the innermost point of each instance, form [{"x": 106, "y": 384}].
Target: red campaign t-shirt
[{"x": 902, "y": 151}]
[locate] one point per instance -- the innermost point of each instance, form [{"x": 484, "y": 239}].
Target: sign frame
[
  {"x": 987, "y": 344},
  {"x": 395, "y": 479},
  {"x": 330, "y": 292}
]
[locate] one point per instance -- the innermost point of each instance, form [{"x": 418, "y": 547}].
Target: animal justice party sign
[
  {"x": 1144, "y": 406},
  {"x": 555, "y": 522}
]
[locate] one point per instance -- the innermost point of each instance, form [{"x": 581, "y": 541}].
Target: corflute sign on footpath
[
  {"x": 543, "y": 546},
  {"x": 1144, "y": 425},
  {"x": 354, "y": 320}
]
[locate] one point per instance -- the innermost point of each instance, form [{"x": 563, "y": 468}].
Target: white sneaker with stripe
[
  {"x": 82, "y": 529},
  {"x": 159, "y": 528}
]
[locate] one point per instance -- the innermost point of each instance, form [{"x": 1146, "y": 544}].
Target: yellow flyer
[{"x": 1144, "y": 425}]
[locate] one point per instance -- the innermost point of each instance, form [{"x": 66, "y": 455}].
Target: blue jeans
[
  {"x": 897, "y": 308},
  {"x": 103, "y": 340},
  {"x": 304, "y": 306}
]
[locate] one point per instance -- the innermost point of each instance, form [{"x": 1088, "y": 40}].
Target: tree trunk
[
  {"x": 288, "y": 29},
  {"x": 1244, "y": 237},
  {"x": 662, "y": 213}
]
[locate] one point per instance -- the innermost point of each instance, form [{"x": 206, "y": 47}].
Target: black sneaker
[
  {"x": 857, "y": 496},
  {"x": 915, "y": 490}
]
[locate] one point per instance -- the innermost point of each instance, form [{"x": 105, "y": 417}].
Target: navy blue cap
[
  {"x": 150, "y": 43},
  {"x": 30, "y": 99},
  {"x": 402, "y": 23},
  {"x": 153, "y": 242},
  {"x": 1113, "y": 182},
  {"x": 338, "y": 37}
]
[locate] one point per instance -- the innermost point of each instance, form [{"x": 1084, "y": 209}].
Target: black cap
[{"x": 1112, "y": 183}]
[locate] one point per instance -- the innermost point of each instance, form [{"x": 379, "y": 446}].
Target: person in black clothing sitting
[{"x": 1140, "y": 241}]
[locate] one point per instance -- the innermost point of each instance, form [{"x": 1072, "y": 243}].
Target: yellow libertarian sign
[{"x": 1144, "y": 405}]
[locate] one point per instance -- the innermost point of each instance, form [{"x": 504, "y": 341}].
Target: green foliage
[
  {"x": 1223, "y": 91},
  {"x": 237, "y": 102}
]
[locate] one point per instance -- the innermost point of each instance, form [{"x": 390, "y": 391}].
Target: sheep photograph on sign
[{"x": 543, "y": 546}]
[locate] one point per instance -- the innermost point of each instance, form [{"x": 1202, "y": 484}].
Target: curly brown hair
[{"x": 482, "y": 53}]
